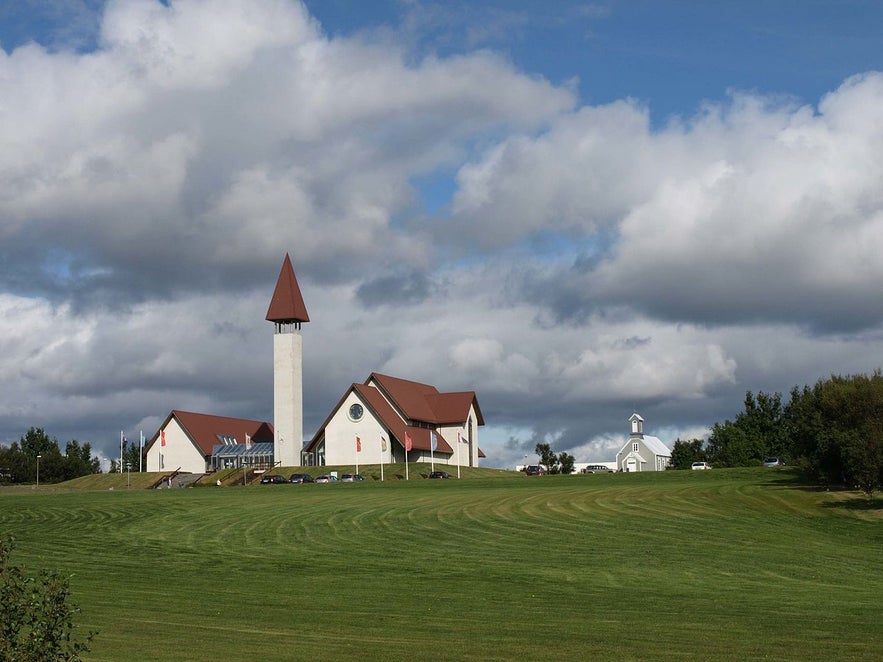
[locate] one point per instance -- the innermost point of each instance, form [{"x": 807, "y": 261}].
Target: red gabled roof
[
  {"x": 424, "y": 403},
  {"x": 453, "y": 407},
  {"x": 396, "y": 426},
  {"x": 203, "y": 429},
  {"x": 287, "y": 304}
]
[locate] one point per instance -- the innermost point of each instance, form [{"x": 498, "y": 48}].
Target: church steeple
[
  {"x": 637, "y": 425},
  {"x": 287, "y": 305},
  {"x": 287, "y": 311}
]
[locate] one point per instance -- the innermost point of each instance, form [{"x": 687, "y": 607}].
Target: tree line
[
  {"x": 19, "y": 461},
  {"x": 833, "y": 430}
]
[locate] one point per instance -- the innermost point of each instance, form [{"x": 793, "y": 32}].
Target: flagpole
[
  {"x": 458, "y": 453},
  {"x": 382, "y": 444},
  {"x": 140, "y": 450},
  {"x": 358, "y": 448},
  {"x": 431, "y": 450},
  {"x": 121, "y": 451},
  {"x": 407, "y": 439}
]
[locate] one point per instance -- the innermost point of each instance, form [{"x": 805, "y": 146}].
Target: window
[{"x": 635, "y": 447}]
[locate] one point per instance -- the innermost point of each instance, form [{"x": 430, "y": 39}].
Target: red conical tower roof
[{"x": 287, "y": 304}]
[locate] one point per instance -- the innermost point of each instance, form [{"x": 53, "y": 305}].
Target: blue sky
[
  {"x": 576, "y": 209},
  {"x": 670, "y": 55}
]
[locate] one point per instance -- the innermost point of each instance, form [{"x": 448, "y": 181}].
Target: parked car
[
  {"x": 273, "y": 479},
  {"x": 326, "y": 479},
  {"x": 300, "y": 478},
  {"x": 535, "y": 470},
  {"x": 598, "y": 469},
  {"x": 351, "y": 478},
  {"x": 439, "y": 474},
  {"x": 700, "y": 466},
  {"x": 774, "y": 462}
]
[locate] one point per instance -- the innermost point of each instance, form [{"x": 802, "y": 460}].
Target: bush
[{"x": 36, "y": 619}]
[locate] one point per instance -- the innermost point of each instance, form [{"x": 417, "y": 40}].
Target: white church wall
[
  {"x": 179, "y": 451},
  {"x": 341, "y": 432}
]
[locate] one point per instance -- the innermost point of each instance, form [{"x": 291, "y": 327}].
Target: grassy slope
[{"x": 720, "y": 565}]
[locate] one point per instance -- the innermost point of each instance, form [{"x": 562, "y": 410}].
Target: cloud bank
[{"x": 451, "y": 219}]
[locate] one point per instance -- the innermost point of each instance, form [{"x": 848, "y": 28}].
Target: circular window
[{"x": 356, "y": 411}]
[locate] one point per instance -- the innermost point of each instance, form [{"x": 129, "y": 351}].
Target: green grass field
[{"x": 718, "y": 565}]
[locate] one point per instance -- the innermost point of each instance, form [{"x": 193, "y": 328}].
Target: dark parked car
[
  {"x": 273, "y": 479},
  {"x": 439, "y": 474},
  {"x": 300, "y": 478},
  {"x": 535, "y": 470},
  {"x": 351, "y": 478}
]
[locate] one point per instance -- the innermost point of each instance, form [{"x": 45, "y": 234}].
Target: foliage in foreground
[{"x": 36, "y": 619}]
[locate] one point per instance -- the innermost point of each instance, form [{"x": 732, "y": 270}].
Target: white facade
[
  {"x": 381, "y": 441},
  {"x": 342, "y": 430},
  {"x": 179, "y": 451},
  {"x": 466, "y": 455},
  {"x": 288, "y": 398}
]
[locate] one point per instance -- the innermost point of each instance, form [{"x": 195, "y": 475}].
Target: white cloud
[{"x": 588, "y": 264}]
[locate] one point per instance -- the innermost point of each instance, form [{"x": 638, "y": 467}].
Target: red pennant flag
[
  {"x": 162, "y": 438},
  {"x": 358, "y": 444},
  {"x": 408, "y": 444}
]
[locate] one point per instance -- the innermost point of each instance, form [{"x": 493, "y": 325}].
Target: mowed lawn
[{"x": 719, "y": 565}]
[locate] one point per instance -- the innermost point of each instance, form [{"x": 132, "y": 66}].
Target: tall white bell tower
[{"x": 287, "y": 312}]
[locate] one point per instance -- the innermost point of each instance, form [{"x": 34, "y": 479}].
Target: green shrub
[{"x": 36, "y": 619}]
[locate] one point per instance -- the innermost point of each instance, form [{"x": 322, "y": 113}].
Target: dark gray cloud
[{"x": 395, "y": 290}]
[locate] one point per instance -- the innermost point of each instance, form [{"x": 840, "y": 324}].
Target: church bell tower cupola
[{"x": 637, "y": 425}]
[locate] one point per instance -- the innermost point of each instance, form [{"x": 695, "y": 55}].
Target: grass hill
[{"x": 720, "y": 565}]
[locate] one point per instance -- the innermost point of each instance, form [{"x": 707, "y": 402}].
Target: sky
[{"x": 579, "y": 210}]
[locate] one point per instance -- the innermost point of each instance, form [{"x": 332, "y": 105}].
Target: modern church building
[{"x": 385, "y": 419}]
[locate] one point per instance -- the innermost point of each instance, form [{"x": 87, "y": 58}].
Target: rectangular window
[{"x": 635, "y": 447}]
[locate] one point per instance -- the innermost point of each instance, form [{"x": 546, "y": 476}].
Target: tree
[
  {"x": 757, "y": 432},
  {"x": 79, "y": 460},
  {"x": 837, "y": 426},
  {"x": 18, "y": 462},
  {"x": 547, "y": 457},
  {"x": 36, "y": 618},
  {"x": 36, "y": 442},
  {"x": 685, "y": 453},
  {"x": 565, "y": 463}
]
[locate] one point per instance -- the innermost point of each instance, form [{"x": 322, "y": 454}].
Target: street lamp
[{"x": 38, "y": 469}]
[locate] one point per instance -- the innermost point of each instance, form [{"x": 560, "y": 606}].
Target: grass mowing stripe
[{"x": 684, "y": 565}]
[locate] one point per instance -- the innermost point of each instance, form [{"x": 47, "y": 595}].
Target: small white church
[
  {"x": 386, "y": 419},
  {"x": 642, "y": 452}
]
